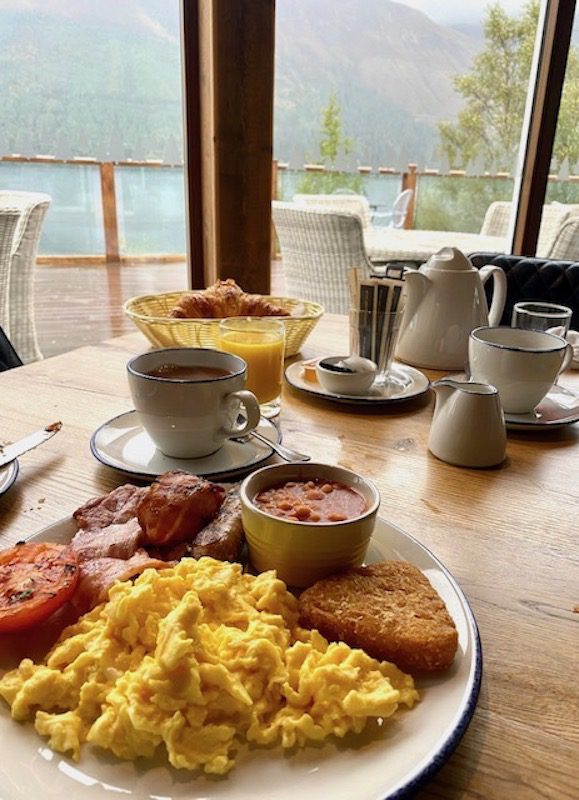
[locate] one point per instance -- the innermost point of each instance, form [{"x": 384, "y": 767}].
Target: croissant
[{"x": 225, "y": 299}]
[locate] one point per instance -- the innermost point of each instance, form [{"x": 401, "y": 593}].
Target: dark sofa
[{"x": 535, "y": 279}]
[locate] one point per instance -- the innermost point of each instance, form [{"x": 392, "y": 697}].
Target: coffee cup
[
  {"x": 522, "y": 364},
  {"x": 188, "y": 399}
]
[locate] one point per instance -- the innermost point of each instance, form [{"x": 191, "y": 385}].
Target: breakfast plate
[
  {"x": 383, "y": 763},
  {"x": 8, "y": 474},
  {"x": 410, "y": 383},
  {"x": 123, "y": 444}
]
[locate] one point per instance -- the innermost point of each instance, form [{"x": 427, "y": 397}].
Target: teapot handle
[{"x": 499, "y": 291}]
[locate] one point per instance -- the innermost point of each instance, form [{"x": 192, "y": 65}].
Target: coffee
[{"x": 186, "y": 372}]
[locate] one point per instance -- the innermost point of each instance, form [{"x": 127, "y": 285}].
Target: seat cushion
[{"x": 535, "y": 279}]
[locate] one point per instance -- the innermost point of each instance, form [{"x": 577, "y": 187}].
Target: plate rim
[
  {"x": 449, "y": 745},
  {"x": 13, "y": 465},
  {"x": 148, "y": 476},
  {"x": 363, "y": 400},
  {"x": 444, "y": 749}
]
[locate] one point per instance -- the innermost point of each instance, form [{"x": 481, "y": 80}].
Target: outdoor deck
[{"x": 82, "y": 304}]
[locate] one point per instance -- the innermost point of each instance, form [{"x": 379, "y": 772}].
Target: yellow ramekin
[{"x": 304, "y": 552}]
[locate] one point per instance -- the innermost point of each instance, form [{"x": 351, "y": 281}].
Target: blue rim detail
[
  {"x": 452, "y": 740},
  {"x": 137, "y": 374},
  {"x": 151, "y": 476}
]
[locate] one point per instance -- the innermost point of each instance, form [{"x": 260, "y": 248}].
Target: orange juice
[{"x": 261, "y": 346}]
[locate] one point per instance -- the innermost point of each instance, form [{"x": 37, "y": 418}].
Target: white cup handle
[
  {"x": 567, "y": 358},
  {"x": 249, "y": 402},
  {"x": 499, "y": 291}
]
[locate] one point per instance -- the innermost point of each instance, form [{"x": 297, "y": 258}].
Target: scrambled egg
[{"x": 194, "y": 657}]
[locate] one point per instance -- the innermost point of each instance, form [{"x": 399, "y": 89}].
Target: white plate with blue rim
[
  {"x": 409, "y": 384},
  {"x": 386, "y": 761},
  {"x": 123, "y": 444},
  {"x": 560, "y": 407}
]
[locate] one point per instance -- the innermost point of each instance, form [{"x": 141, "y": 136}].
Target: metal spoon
[{"x": 285, "y": 452}]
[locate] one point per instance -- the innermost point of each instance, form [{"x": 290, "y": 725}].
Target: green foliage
[
  {"x": 488, "y": 129},
  {"x": 72, "y": 89},
  {"x": 332, "y": 144},
  {"x": 446, "y": 203}
]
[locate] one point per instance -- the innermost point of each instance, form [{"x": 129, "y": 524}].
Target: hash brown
[{"x": 388, "y": 609}]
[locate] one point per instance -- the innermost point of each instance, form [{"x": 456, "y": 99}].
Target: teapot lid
[{"x": 450, "y": 258}]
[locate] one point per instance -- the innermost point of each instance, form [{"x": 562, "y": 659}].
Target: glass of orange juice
[{"x": 259, "y": 341}]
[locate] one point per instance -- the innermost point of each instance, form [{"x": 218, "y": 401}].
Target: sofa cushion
[{"x": 535, "y": 279}]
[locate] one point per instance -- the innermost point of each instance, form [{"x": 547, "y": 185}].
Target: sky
[{"x": 453, "y": 12}]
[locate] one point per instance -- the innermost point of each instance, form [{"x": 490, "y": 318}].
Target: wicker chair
[
  {"x": 566, "y": 244},
  {"x": 21, "y": 326},
  {"x": 341, "y": 203},
  {"x": 496, "y": 223},
  {"x": 9, "y": 219},
  {"x": 318, "y": 248}
]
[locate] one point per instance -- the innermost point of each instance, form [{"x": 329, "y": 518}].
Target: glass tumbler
[
  {"x": 374, "y": 335},
  {"x": 259, "y": 341},
  {"x": 536, "y": 316}
]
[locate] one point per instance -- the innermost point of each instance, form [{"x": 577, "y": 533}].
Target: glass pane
[
  {"x": 377, "y": 98},
  {"x": 150, "y": 209},
  {"x": 74, "y": 225},
  {"x": 92, "y": 116}
]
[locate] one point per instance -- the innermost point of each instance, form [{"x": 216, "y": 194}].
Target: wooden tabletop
[{"x": 509, "y": 535}]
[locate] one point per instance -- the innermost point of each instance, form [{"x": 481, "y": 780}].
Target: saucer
[
  {"x": 123, "y": 444},
  {"x": 8, "y": 474},
  {"x": 410, "y": 383},
  {"x": 558, "y": 408}
]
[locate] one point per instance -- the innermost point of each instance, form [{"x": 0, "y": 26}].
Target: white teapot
[{"x": 445, "y": 301}]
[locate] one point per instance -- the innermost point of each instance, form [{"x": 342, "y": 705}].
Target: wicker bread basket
[{"x": 150, "y": 313}]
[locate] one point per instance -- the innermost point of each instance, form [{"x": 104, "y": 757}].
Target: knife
[{"x": 11, "y": 451}]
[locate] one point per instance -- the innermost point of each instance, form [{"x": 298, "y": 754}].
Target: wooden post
[
  {"x": 109, "y": 200},
  {"x": 409, "y": 182},
  {"x": 274, "y": 190},
  {"x": 237, "y": 71},
  {"x": 192, "y": 79}
]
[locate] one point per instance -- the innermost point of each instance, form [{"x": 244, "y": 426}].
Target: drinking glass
[
  {"x": 373, "y": 335},
  {"x": 541, "y": 317},
  {"x": 259, "y": 341}
]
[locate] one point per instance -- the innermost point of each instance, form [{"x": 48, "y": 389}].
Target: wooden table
[{"x": 509, "y": 535}]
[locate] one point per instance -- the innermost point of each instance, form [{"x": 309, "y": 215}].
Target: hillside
[
  {"x": 390, "y": 65},
  {"x": 104, "y": 79}
]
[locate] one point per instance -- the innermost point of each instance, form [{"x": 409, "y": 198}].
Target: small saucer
[
  {"x": 8, "y": 474},
  {"x": 407, "y": 383},
  {"x": 123, "y": 444},
  {"x": 560, "y": 407}
]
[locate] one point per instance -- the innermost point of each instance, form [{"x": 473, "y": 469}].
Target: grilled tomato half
[{"x": 35, "y": 580}]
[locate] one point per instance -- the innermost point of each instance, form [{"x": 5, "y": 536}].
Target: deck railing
[{"x": 134, "y": 210}]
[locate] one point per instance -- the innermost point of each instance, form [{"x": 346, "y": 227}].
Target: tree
[
  {"x": 333, "y": 144},
  {"x": 488, "y": 129}
]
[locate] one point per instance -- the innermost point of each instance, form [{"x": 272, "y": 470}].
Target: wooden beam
[
  {"x": 190, "y": 46},
  {"x": 109, "y": 201},
  {"x": 409, "y": 181},
  {"x": 542, "y": 123},
  {"x": 237, "y": 74}
]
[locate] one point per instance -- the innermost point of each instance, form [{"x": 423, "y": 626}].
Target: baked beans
[{"x": 317, "y": 500}]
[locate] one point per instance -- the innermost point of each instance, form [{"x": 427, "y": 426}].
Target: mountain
[
  {"x": 90, "y": 79},
  {"x": 391, "y": 67},
  {"x": 103, "y": 79}
]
